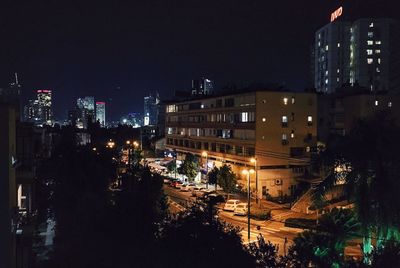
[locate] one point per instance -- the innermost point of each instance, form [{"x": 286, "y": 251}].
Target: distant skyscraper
[
  {"x": 85, "y": 110},
  {"x": 132, "y": 119},
  {"x": 101, "y": 112},
  {"x": 150, "y": 110},
  {"x": 45, "y": 105},
  {"x": 362, "y": 52},
  {"x": 202, "y": 86},
  {"x": 31, "y": 111}
]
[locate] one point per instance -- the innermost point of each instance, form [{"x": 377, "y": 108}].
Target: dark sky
[{"x": 119, "y": 51}]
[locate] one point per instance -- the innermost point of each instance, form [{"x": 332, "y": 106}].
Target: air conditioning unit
[{"x": 278, "y": 181}]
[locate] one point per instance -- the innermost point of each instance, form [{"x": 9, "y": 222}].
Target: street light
[
  {"x": 204, "y": 154},
  {"x": 254, "y": 160},
  {"x": 110, "y": 144},
  {"x": 247, "y": 172}
]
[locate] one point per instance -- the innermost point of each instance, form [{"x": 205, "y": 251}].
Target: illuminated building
[
  {"x": 31, "y": 111},
  {"x": 359, "y": 52},
  {"x": 150, "y": 115},
  {"x": 101, "y": 112},
  {"x": 85, "y": 110},
  {"x": 132, "y": 119},
  {"x": 45, "y": 105},
  {"x": 202, "y": 86},
  {"x": 277, "y": 128}
]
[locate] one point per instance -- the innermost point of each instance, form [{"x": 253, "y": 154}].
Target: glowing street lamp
[
  {"x": 110, "y": 144},
  {"x": 247, "y": 172},
  {"x": 204, "y": 154},
  {"x": 135, "y": 144},
  {"x": 254, "y": 161}
]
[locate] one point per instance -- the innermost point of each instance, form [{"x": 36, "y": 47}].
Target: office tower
[
  {"x": 202, "y": 86},
  {"x": 361, "y": 52},
  {"x": 45, "y": 105},
  {"x": 101, "y": 113},
  {"x": 150, "y": 110},
  {"x": 31, "y": 111},
  {"x": 85, "y": 109},
  {"x": 72, "y": 117}
]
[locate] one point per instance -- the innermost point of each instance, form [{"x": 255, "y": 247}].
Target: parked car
[
  {"x": 184, "y": 187},
  {"x": 191, "y": 186},
  {"x": 196, "y": 191},
  {"x": 241, "y": 209},
  {"x": 231, "y": 204},
  {"x": 176, "y": 184}
]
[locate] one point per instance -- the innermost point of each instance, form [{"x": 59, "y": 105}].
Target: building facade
[
  {"x": 202, "y": 86},
  {"x": 362, "y": 52},
  {"x": 278, "y": 129},
  {"x": 85, "y": 110},
  {"x": 101, "y": 113},
  {"x": 44, "y": 98},
  {"x": 150, "y": 115}
]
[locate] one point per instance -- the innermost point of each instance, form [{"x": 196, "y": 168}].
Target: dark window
[
  {"x": 218, "y": 103},
  {"x": 239, "y": 150},
  {"x": 194, "y": 106},
  {"x": 229, "y": 102},
  {"x": 222, "y": 148},
  {"x": 205, "y": 146},
  {"x": 213, "y": 147}
]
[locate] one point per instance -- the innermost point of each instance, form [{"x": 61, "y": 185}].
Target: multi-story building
[
  {"x": 101, "y": 112},
  {"x": 150, "y": 110},
  {"x": 362, "y": 52},
  {"x": 278, "y": 129},
  {"x": 31, "y": 111},
  {"x": 8, "y": 202},
  {"x": 45, "y": 105},
  {"x": 338, "y": 112},
  {"x": 85, "y": 108},
  {"x": 132, "y": 119},
  {"x": 202, "y": 86}
]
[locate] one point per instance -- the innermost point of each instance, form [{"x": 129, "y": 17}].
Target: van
[{"x": 241, "y": 209}]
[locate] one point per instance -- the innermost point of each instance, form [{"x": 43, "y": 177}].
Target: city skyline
[{"x": 120, "y": 61}]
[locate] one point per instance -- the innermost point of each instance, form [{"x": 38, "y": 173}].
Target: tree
[
  {"x": 386, "y": 256},
  {"x": 265, "y": 253},
  {"x": 226, "y": 178},
  {"x": 213, "y": 175},
  {"x": 369, "y": 165},
  {"x": 193, "y": 240},
  {"x": 190, "y": 167},
  {"x": 325, "y": 245}
]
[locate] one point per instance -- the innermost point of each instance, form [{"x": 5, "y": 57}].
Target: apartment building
[{"x": 276, "y": 128}]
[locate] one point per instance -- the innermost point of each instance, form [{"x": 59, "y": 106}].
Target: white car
[
  {"x": 231, "y": 204},
  {"x": 241, "y": 209}
]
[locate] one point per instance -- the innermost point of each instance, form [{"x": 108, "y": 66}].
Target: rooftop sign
[{"x": 337, "y": 13}]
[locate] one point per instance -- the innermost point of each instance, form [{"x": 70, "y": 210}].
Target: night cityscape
[{"x": 200, "y": 134}]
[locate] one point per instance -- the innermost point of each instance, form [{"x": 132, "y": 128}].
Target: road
[{"x": 273, "y": 231}]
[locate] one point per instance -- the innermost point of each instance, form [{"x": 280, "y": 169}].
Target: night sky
[{"x": 119, "y": 51}]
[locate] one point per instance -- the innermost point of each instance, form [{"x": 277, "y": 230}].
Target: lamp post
[
  {"x": 254, "y": 160},
  {"x": 204, "y": 154},
  {"x": 247, "y": 173},
  {"x": 128, "y": 142}
]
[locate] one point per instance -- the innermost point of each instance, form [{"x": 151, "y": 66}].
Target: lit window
[
  {"x": 326, "y": 81},
  {"x": 245, "y": 117},
  {"x": 389, "y": 104},
  {"x": 369, "y": 52},
  {"x": 338, "y": 44},
  {"x": 292, "y": 134},
  {"x": 337, "y": 79},
  {"x": 338, "y": 70},
  {"x": 264, "y": 101},
  {"x": 284, "y": 119},
  {"x": 284, "y": 138},
  {"x": 285, "y": 101},
  {"x": 378, "y": 42},
  {"x": 376, "y": 103},
  {"x": 308, "y": 149},
  {"x": 264, "y": 119},
  {"x": 319, "y": 44},
  {"x": 202, "y": 106},
  {"x": 370, "y": 34},
  {"x": 378, "y": 70},
  {"x": 377, "y": 51},
  {"x": 371, "y": 25},
  {"x": 370, "y": 42},
  {"x": 326, "y": 47},
  {"x": 370, "y": 61},
  {"x": 379, "y": 60},
  {"x": 293, "y": 100},
  {"x": 309, "y": 120},
  {"x": 326, "y": 72}
]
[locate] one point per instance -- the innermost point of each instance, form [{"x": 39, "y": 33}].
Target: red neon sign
[
  {"x": 100, "y": 102},
  {"x": 337, "y": 13},
  {"x": 44, "y": 91}
]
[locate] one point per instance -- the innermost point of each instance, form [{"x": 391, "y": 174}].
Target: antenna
[{"x": 16, "y": 78}]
